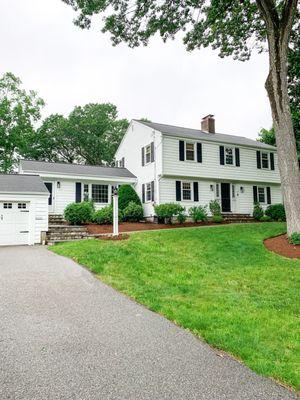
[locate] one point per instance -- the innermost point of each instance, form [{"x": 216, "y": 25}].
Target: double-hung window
[
  {"x": 100, "y": 193},
  {"x": 148, "y": 192},
  {"x": 148, "y": 154},
  {"x": 229, "y": 156},
  {"x": 265, "y": 160},
  {"x": 186, "y": 191},
  {"x": 261, "y": 192},
  {"x": 85, "y": 192},
  {"x": 190, "y": 151}
]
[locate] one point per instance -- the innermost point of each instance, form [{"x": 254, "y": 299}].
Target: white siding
[
  {"x": 41, "y": 217},
  {"x": 138, "y": 136},
  {"x": 210, "y": 166},
  {"x": 245, "y": 199}
]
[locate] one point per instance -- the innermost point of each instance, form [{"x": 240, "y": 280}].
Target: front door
[
  {"x": 225, "y": 197},
  {"x": 49, "y": 186}
]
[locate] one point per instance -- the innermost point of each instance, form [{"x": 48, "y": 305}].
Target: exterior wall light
[
  {"x": 242, "y": 189},
  {"x": 211, "y": 188},
  {"x": 58, "y": 185}
]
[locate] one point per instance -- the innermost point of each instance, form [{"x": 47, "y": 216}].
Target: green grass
[{"x": 219, "y": 282}]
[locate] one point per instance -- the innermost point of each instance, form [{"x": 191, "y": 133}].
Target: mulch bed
[
  {"x": 281, "y": 246},
  {"x": 95, "y": 229}
]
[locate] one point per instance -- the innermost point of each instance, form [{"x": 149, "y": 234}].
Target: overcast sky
[{"x": 68, "y": 66}]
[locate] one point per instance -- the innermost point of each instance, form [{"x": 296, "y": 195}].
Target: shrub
[
  {"x": 214, "y": 207},
  {"x": 167, "y": 211},
  {"x": 127, "y": 195},
  {"x": 133, "y": 212},
  {"x": 181, "y": 217},
  {"x": 258, "y": 211},
  {"x": 218, "y": 219},
  {"x": 198, "y": 213},
  {"x": 265, "y": 218},
  {"x": 105, "y": 215},
  {"x": 79, "y": 213},
  {"x": 295, "y": 238},
  {"x": 276, "y": 212}
]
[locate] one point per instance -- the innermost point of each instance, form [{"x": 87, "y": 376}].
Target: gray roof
[
  {"x": 211, "y": 137},
  {"x": 75, "y": 169},
  {"x": 16, "y": 183}
]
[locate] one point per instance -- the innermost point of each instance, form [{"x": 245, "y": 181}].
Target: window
[
  {"x": 217, "y": 190},
  {"x": 261, "y": 194},
  {"x": 7, "y": 205},
  {"x": 22, "y": 205},
  {"x": 233, "y": 191},
  {"x": 148, "y": 192},
  {"x": 265, "y": 160},
  {"x": 186, "y": 191},
  {"x": 190, "y": 151},
  {"x": 228, "y": 155},
  {"x": 85, "y": 192},
  {"x": 100, "y": 193},
  {"x": 148, "y": 154}
]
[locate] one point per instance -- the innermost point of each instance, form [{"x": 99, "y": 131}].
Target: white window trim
[
  {"x": 194, "y": 144},
  {"x": 265, "y": 194},
  {"x": 269, "y": 160},
  {"x": 148, "y": 201},
  {"x": 150, "y": 153},
  {"x": 192, "y": 191},
  {"x": 233, "y": 156},
  {"x": 90, "y": 191}
]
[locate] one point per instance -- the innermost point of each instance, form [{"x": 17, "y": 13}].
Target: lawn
[{"x": 218, "y": 282}]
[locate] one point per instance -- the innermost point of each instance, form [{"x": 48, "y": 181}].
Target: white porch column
[{"x": 115, "y": 211}]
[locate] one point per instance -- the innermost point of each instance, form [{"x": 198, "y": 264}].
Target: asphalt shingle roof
[
  {"x": 75, "y": 169},
  {"x": 15, "y": 183},
  {"x": 198, "y": 134}
]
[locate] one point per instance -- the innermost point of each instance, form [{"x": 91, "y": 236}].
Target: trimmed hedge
[
  {"x": 79, "y": 213},
  {"x": 105, "y": 215},
  {"x": 133, "y": 212},
  {"x": 127, "y": 195},
  {"x": 276, "y": 212}
]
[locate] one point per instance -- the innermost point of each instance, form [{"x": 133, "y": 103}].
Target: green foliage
[
  {"x": 265, "y": 218},
  {"x": 276, "y": 212},
  {"x": 104, "y": 215},
  {"x": 218, "y": 282},
  {"x": 127, "y": 195},
  {"x": 295, "y": 238},
  {"x": 133, "y": 212},
  {"x": 181, "y": 218},
  {"x": 218, "y": 219},
  {"x": 78, "y": 213},
  {"x": 19, "y": 111},
  {"x": 167, "y": 211},
  {"x": 198, "y": 213},
  {"x": 214, "y": 207},
  {"x": 258, "y": 211}
]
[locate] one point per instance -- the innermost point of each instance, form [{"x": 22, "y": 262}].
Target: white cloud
[{"x": 69, "y": 66}]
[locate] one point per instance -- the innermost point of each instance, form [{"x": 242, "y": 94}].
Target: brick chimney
[{"x": 208, "y": 124}]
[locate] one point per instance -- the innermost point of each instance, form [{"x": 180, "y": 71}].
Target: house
[
  {"x": 69, "y": 183},
  {"x": 42, "y": 188},
  {"x": 194, "y": 166},
  {"x": 23, "y": 209}
]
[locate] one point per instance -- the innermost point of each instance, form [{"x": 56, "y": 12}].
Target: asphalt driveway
[{"x": 66, "y": 335}]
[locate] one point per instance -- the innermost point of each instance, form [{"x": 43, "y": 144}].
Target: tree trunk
[{"x": 276, "y": 86}]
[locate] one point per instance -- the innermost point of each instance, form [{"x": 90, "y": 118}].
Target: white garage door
[{"x": 14, "y": 223}]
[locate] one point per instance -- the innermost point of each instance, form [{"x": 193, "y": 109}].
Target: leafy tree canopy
[{"x": 19, "y": 111}]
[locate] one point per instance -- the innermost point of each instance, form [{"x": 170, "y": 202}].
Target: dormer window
[{"x": 190, "y": 151}]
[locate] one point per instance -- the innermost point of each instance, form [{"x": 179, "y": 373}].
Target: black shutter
[
  {"x": 178, "y": 190},
  {"x": 143, "y": 193},
  {"x": 143, "y": 156},
  {"x": 222, "y": 158},
  {"x": 255, "y": 199},
  {"x": 272, "y": 161},
  {"x": 199, "y": 152},
  {"x": 258, "y": 159},
  {"x": 152, "y": 191},
  {"x": 78, "y": 192},
  {"x": 123, "y": 162},
  {"x": 268, "y": 195},
  {"x": 152, "y": 151},
  {"x": 196, "y": 191},
  {"x": 181, "y": 150},
  {"x": 237, "y": 157}
]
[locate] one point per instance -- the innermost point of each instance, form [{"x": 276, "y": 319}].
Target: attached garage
[{"x": 23, "y": 209}]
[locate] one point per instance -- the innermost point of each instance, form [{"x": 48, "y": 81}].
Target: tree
[
  {"x": 234, "y": 27},
  {"x": 19, "y": 111},
  {"x": 90, "y": 135}
]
